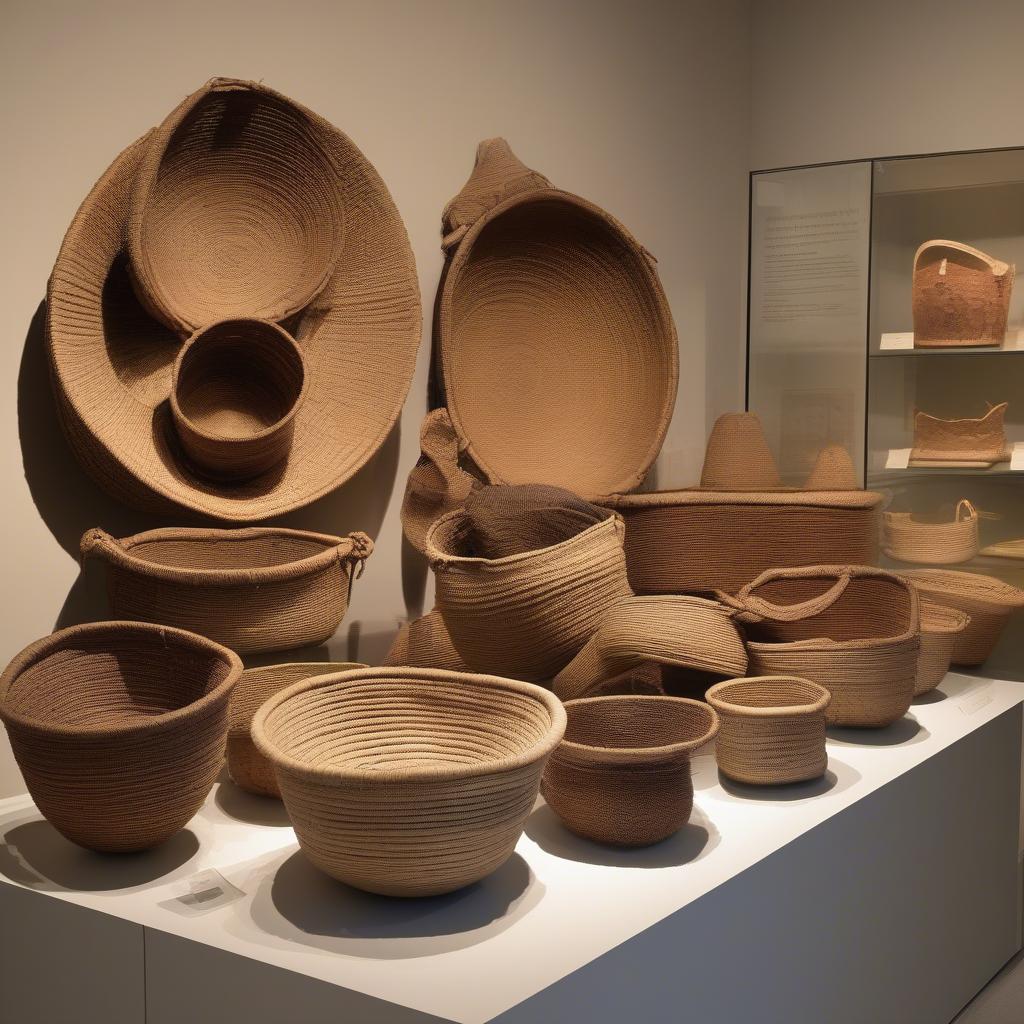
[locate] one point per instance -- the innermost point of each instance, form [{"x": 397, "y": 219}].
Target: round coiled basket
[{"x": 908, "y": 539}]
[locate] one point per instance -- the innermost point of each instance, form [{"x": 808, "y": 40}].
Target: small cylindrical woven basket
[
  {"x": 772, "y": 729},
  {"x": 253, "y": 590},
  {"x": 940, "y": 628},
  {"x": 853, "y": 629},
  {"x": 247, "y": 767},
  {"x": 988, "y": 601},
  {"x": 622, "y": 774},
  {"x": 409, "y": 782},
  {"x": 526, "y": 615},
  {"x": 910, "y": 540},
  {"x": 119, "y": 729}
]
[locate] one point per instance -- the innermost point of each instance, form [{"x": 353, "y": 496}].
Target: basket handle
[
  {"x": 751, "y": 608},
  {"x": 97, "y": 543},
  {"x": 360, "y": 547}
]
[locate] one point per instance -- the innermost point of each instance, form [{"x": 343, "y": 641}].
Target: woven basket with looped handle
[
  {"x": 118, "y": 729},
  {"x": 853, "y": 629},
  {"x": 622, "y": 774},
  {"x": 909, "y": 539},
  {"x": 988, "y": 601},
  {"x": 256, "y": 589},
  {"x": 940, "y": 628},
  {"x": 967, "y": 442},
  {"x": 247, "y": 767},
  {"x": 772, "y": 729},
  {"x": 409, "y": 782}
]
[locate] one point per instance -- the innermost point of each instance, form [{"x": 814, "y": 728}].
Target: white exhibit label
[
  {"x": 898, "y": 458},
  {"x": 897, "y": 341}
]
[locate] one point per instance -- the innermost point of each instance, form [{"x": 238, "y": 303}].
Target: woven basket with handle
[{"x": 908, "y": 539}]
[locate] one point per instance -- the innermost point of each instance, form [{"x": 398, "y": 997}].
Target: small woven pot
[
  {"x": 772, "y": 729},
  {"x": 247, "y": 767},
  {"x": 977, "y": 441},
  {"x": 118, "y": 729},
  {"x": 940, "y": 628},
  {"x": 526, "y": 615},
  {"x": 235, "y": 390},
  {"x": 988, "y": 601},
  {"x": 409, "y": 782},
  {"x": 253, "y": 590},
  {"x": 621, "y": 776}
]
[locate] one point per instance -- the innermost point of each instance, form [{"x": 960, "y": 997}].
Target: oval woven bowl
[
  {"x": 253, "y": 590},
  {"x": 118, "y": 729},
  {"x": 247, "y": 767},
  {"x": 940, "y": 628},
  {"x": 772, "y": 729},
  {"x": 622, "y": 774},
  {"x": 409, "y": 782},
  {"x": 236, "y": 209},
  {"x": 908, "y": 539},
  {"x": 987, "y": 600}
]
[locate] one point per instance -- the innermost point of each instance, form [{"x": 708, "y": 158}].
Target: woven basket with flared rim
[
  {"x": 969, "y": 442},
  {"x": 425, "y": 643},
  {"x": 853, "y": 629},
  {"x": 409, "y": 782},
  {"x": 527, "y": 615},
  {"x": 111, "y": 362},
  {"x": 255, "y": 589},
  {"x": 988, "y": 601},
  {"x": 556, "y": 346},
  {"x": 236, "y": 209},
  {"x": 908, "y": 539},
  {"x": 772, "y": 729},
  {"x": 622, "y": 774},
  {"x": 940, "y": 628},
  {"x": 118, "y": 729},
  {"x": 961, "y": 296},
  {"x": 685, "y": 632},
  {"x": 247, "y": 767}
]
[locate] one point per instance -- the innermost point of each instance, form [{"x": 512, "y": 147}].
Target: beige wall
[{"x": 641, "y": 107}]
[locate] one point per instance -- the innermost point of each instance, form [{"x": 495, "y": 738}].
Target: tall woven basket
[{"x": 908, "y": 539}]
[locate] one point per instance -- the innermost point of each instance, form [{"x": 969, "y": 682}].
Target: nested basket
[
  {"x": 409, "y": 782},
  {"x": 909, "y": 539},
  {"x": 988, "y": 601},
  {"x": 622, "y": 774},
  {"x": 119, "y": 729},
  {"x": 253, "y": 590},
  {"x": 853, "y": 629},
  {"x": 247, "y": 767},
  {"x": 772, "y": 729},
  {"x": 940, "y": 628},
  {"x": 525, "y": 615}
]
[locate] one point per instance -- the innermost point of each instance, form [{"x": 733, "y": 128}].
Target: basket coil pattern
[
  {"x": 621, "y": 776},
  {"x": 119, "y": 729},
  {"x": 772, "y": 729},
  {"x": 425, "y": 643},
  {"x": 979, "y": 441},
  {"x": 909, "y": 540},
  {"x": 409, "y": 782},
  {"x": 940, "y": 629}
]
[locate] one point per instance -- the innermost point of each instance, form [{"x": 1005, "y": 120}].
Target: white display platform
[{"x": 888, "y": 891}]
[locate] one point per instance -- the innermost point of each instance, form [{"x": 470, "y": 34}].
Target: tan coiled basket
[
  {"x": 908, "y": 539},
  {"x": 940, "y": 629}
]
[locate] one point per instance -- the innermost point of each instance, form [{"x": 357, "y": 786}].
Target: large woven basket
[
  {"x": 973, "y": 441},
  {"x": 988, "y": 601},
  {"x": 909, "y": 539},
  {"x": 118, "y": 728},
  {"x": 525, "y": 615},
  {"x": 409, "y": 782},
  {"x": 853, "y": 629},
  {"x": 940, "y": 628},
  {"x": 772, "y": 729},
  {"x": 255, "y": 589},
  {"x": 247, "y": 767},
  {"x": 622, "y": 774}
]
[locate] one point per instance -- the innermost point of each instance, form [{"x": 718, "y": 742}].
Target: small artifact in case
[
  {"x": 909, "y": 539},
  {"x": 963, "y": 443}
]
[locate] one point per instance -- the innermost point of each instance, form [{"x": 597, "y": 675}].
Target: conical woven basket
[
  {"x": 911, "y": 540},
  {"x": 621, "y": 776},
  {"x": 737, "y": 456},
  {"x": 409, "y": 782},
  {"x": 940, "y": 628},
  {"x": 526, "y": 615},
  {"x": 118, "y": 729},
  {"x": 853, "y": 629},
  {"x": 771, "y": 729},
  {"x": 247, "y": 767},
  {"x": 255, "y": 589},
  {"x": 988, "y": 601},
  {"x": 968, "y": 442},
  {"x": 425, "y": 643}
]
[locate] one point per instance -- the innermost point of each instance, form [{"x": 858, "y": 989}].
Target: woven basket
[
  {"x": 940, "y": 628},
  {"x": 425, "y": 643},
  {"x": 961, "y": 296},
  {"x": 409, "y": 782},
  {"x": 1006, "y": 549},
  {"x": 966, "y": 442},
  {"x": 911, "y": 540},
  {"x": 247, "y": 767},
  {"x": 118, "y": 729},
  {"x": 737, "y": 456},
  {"x": 772, "y": 729},
  {"x": 622, "y": 774},
  {"x": 557, "y": 351},
  {"x": 853, "y": 629},
  {"x": 253, "y": 590},
  {"x": 988, "y": 601},
  {"x": 526, "y": 615}
]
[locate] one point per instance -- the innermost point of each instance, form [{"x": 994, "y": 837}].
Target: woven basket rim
[
  {"x": 714, "y": 696},
  {"x": 941, "y": 620},
  {"x": 61, "y": 639},
  {"x": 703, "y": 496},
  {"x": 993, "y": 592},
  {"x": 435, "y": 773},
  {"x": 445, "y": 301}
]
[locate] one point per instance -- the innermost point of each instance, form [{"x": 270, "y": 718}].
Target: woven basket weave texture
[{"x": 940, "y": 628}]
